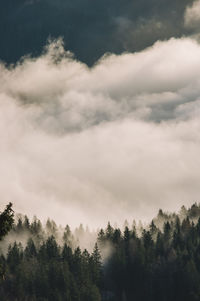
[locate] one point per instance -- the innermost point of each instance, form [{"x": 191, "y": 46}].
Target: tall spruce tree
[{"x": 6, "y": 220}]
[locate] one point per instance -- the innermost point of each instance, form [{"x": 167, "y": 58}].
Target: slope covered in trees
[{"x": 158, "y": 262}]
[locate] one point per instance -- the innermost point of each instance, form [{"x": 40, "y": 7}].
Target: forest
[{"x": 159, "y": 261}]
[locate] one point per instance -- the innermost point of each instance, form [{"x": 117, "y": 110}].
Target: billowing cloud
[{"x": 115, "y": 141}]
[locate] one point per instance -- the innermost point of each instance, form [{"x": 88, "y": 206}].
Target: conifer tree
[{"x": 6, "y": 220}]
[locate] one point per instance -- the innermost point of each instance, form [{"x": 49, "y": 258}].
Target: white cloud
[{"x": 116, "y": 141}]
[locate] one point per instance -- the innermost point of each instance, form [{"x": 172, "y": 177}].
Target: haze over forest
[
  {"x": 99, "y": 142},
  {"x": 99, "y": 108}
]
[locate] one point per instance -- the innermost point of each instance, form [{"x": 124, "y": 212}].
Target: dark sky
[{"x": 90, "y": 28}]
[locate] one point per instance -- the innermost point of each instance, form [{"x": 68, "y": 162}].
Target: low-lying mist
[
  {"x": 82, "y": 236},
  {"x": 54, "y": 264}
]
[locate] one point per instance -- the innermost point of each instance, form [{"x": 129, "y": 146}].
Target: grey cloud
[
  {"x": 68, "y": 96},
  {"x": 192, "y": 16}
]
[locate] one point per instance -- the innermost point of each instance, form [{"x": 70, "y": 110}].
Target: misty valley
[
  {"x": 99, "y": 128},
  {"x": 46, "y": 262}
]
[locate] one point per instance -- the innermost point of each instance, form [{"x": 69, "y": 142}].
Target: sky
[
  {"x": 90, "y": 28},
  {"x": 110, "y": 141}
]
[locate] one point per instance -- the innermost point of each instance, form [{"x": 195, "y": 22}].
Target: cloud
[
  {"x": 192, "y": 15},
  {"x": 115, "y": 141}
]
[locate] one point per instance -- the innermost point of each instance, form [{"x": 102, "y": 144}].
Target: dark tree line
[
  {"x": 50, "y": 273},
  {"x": 160, "y": 262},
  {"x": 159, "y": 265}
]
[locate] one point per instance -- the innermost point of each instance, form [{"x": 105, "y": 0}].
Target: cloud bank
[{"x": 118, "y": 140}]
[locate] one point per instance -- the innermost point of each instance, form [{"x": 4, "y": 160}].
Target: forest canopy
[{"x": 159, "y": 261}]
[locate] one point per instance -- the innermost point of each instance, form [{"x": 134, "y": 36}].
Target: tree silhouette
[{"x": 6, "y": 220}]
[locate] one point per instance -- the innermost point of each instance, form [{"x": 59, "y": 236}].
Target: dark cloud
[{"x": 90, "y": 28}]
